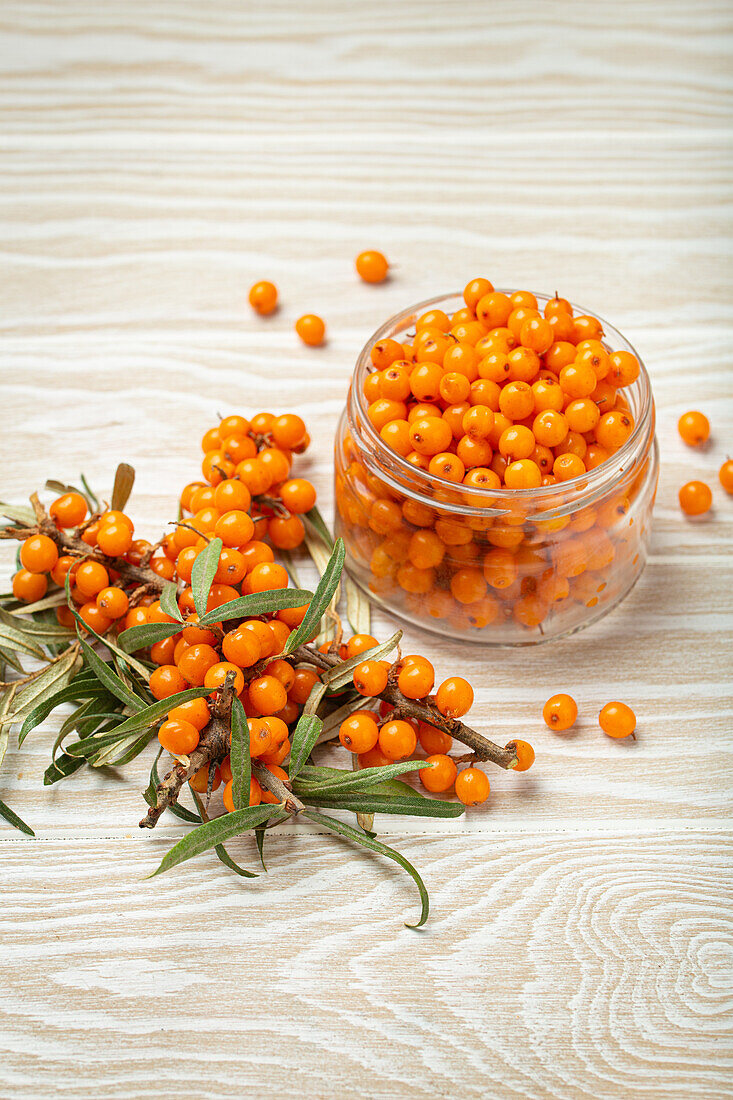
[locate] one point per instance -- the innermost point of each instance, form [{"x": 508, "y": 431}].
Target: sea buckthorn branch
[
  {"x": 278, "y": 787},
  {"x": 423, "y": 711}
]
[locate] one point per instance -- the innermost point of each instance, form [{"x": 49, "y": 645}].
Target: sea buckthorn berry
[
  {"x": 536, "y": 333},
  {"x": 517, "y": 442},
  {"x": 162, "y": 652},
  {"x": 199, "y": 781},
  {"x": 430, "y": 435},
  {"x": 372, "y": 266},
  {"x": 548, "y": 395},
  {"x": 305, "y": 679},
  {"x": 267, "y": 577},
  {"x": 136, "y": 616},
  {"x": 416, "y": 677},
  {"x": 360, "y": 643},
  {"x": 467, "y": 586},
  {"x": 433, "y": 740},
  {"x": 394, "y": 381},
  {"x": 478, "y": 422},
  {"x": 694, "y": 427},
  {"x": 448, "y": 466},
  {"x": 115, "y": 516},
  {"x": 261, "y": 422},
  {"x": 560, "y": 712},
  {"x": 500, "y": 568},
  {"x": 62, "y": 567},
  {"x": 261, "y": 740},
  {"x": 578, "y": 379},
  {"x": 557, "y": 305},
  {"x": 440, "y": 775},
  {"x": 595, "y": 456},
  {"x": 582, "y": 415},
  {"x": 549, "y": 428},
  {"x": 494, "y": 309},
  {"x": 232, "y": 495},
  {"x": 178, "y": 737},
  {"x": 194, "y": 663},
  {"x": 286, "y": 534},
  {"x": 454, "y": 697},
  {"x": 397, "y": 740},
  {"x": 68, "y": 510},
  {"x": 113, "y": 602},
  {"x": 523, "y": 474},
  {"x": 253, "y": 475},
  {"x": 267, "y": 695},
  {"x": 217, "y": 674},
  {"x": 359, "y": 732},
  {"x": 385, "y": 353},
  {"x": 194, "y": 711},
  {"x": 263, "y": 297},
  {"x": 39, "y": 554},
  {"x": 725, "y": 475},
  {"x": 425, "y": 381},
  {"x": 472, "y": 787},
  {"x": 587, "y": 328},
  {"x": 166, "y": 681},
  {"x": 311, "y": 329},
  {"x": 474, "y": 291},
  {"x": 298, "y": 495},
  {"x": 617, "y": 720},
  {"x": 524, "y": 365},
  {"x": 396, "y": 434},
  {"x": 234, "y": 425},
  {"x": 237, "y": 448},
  {"x": 28, "y": 586},
  {"x": 231, "y": 568},
  {"x": 370, "y": 677},
  {"x": 282, "y": 671},
  {"x": 623, "y": 368},
  {"x": 114, "y": 539},
  {"x": 276, "y": 462},
  {"x": 695, "y": 498},
  {"x": 516, "y": 400},
  {"x": 567, "y": 466},
  {"x": 91, "y": 577},
  {"x": 288, "y": 430},
  {"x": 211, "y": 440},
  {"x": 524, "y": 754}
]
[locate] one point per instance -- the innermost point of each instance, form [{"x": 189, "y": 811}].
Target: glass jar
[{"x": 517, "y": 567}]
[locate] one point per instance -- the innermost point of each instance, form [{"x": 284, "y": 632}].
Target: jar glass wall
[{"x": 498, "y": 567}]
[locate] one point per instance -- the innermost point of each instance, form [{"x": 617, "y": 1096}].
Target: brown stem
[
  {"x": 423, "y": 711},
  {"x": 277, "y": 787},
  {"x": 213, "y": 745}
]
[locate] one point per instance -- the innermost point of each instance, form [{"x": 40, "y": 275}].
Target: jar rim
[{"x": 583, "y": 485}]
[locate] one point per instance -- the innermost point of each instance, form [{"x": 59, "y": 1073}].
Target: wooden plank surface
[{"x": 157, "y": 158}]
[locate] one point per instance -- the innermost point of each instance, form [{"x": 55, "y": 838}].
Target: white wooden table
[{"x": 157, "y": 159}]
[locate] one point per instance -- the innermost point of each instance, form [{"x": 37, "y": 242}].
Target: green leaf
[
  {"x": 140, "y": 637},
  {"x": 92, "y": 498},
  {"x": 220, "y": 850},
  {"x": 358, "y": 608},
  {"x": 315, "y": 696},
  {"x": 342, "y": 674},
  {"x": 258, "y": 603},
  {"x": 305, "y": 737},
  {"x": 150, "y": 715},
  {"x": 18, "y": 513},
  {"x": 42, "y": 629},
  {"x": 239, "y": 757},
  {"x": 366, "y": 802},
  {"x": 366, "y": 778},
  {"x": 121, "y": 753},
  {"x": 324, "y": 592},
  {"x": 14, "y": 637},
  {"x": 375, "y": 846},
  {"x": 319, "y": 525},
  {"x": 6, "y": 702},
  {"x": 202, "y": 574},
  {"x": 110, "y": 679},
  {"x": 61, "y": 767},
  {"x": 50, "y": 681},
  {"x": 68, "y": 694},
  {"x": 17, "y": 822},
  {"x": 260, "y": 838},
  {"x": 9, "y": 658},
  {"x": 56, "y": 599},
  {"x": 169, "y": 602},
  {"x": 216, "y": 832},
  {"x": 112, "y": 646}
]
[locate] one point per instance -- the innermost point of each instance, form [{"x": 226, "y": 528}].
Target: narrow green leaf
[
  {"x": 345, "y": 781},
  {"x": 239, "y": 756},
  {"x": 260, "y": 838},
  {"x": 43, "y": 628},
  {"x": 364, "y": 821},
  {"x": 347, "y": 831},
  {"x": 14, "y": 637},
  {"x": 140, "y": 637},
  {"x": 315, "y": 696},
  {"x": 366, "y": 802},
  {"x": 51, "y": 680},
  {"x": 117, "y": 755},
  {"x": 341, "y": 675},
  {"x": 169, "y": 602},
  {"x": 9, "y": 658},
  {"x": 6, "y": 702},
  {"x": 305, "y": 737},
  {"x": 319, "y": 525},
  {"x": 202, "y": 574},
  {"x": 150, "y": 715},
  {"x": 18, "y": 513},
  {"x": 216, "y": 832},
  {"x": 257, "y": 603},
  {"x": 220, "y": 850},
  {"x": 318, "y": 775},
  {"x": 110, "y": 679},
  {"x": 70, "y": 694},
  {"x": 56, "y": 599},
  {"x": 92, "y": 498},
  {"x": 332, "y": 722},
  {"x": 81, "y": 626},
  {"x": 13, "y": 819},
  {"x": 61, "y": 767},
  {"x": 358, "y": 608},
  {"x": 324, "y": 592}
]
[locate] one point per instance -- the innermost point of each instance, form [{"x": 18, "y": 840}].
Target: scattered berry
[
  {"x": 560, "y": 712},
  {"x": 617, "y": 720}
]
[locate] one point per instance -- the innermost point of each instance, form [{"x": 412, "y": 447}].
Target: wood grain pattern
[{"x": 157, "y": 159}]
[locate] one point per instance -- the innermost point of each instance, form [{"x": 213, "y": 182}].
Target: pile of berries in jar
[{"x": 496, "y": 466}]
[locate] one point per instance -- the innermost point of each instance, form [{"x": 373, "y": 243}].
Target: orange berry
[
  {"x": 267, "y": 695},
  {"x": 372, "y": 267},
  {"x": 560, "y": 712},
  {"x": 163, "y": 652},
  {"x": 232, "y": 495},
  {"x": 617, "y": 720},
  {"x": 468, "y": 586},
  {"x": 397, "y": 740},
  {"x": 179, "y": 737},
  {"x": 288, "y": 430},
  {"x": 370, "y": 677},
  {"x": 359, "y": 732},
  {"x": 305, "y": 679},
  {"x": 725, "y": 475},
  {"x": 433, "y": 740},
  {"x": 194, "y": 663},
  {"x": 286, "y": 534},
  {"x": 524, "y": 754},
  {"x": 94, "y": 618},
  {"x": 440, "y": 776},
  {"x": 567, "y": 466},
  {"x": 360, "y": 643},
  {"x": 234, "y": 528},
  {"x": 114, "y": 538},
  {"x": 298, "y": 495},
  {"x": 454, "y": 697},
  {"x": 472, "y": 787},
  {"x": 195, "y": 711},
  {"x": 241, "y": 648},
  {"x": 416, "y": 677},
  {"x": 166, "y": 681},
  {"x": 263, "y": 297},
  {"x": 311, "y": 329},
  {"x": 28, "y": 586},
  {"x": 199, "y": 781},
  {"x": 614, "y": 428},
  {"x": 694, "y": 427},
  {"x": 695, "y": 498},
  {"x": 91, "y": 577},
  {"x": 215, "y": 676},
  {"x": 68, "y": 510},
  {"x": 39, "y": 554},
  {"x": 474, "y": 291},
  {"x": 623, "y": 368}
]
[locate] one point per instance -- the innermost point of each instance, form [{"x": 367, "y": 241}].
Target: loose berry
[
  {"x": 560, "y": 712},
  {"x": 694, "y": 427},
  {"x": 372, "y": 267},
  {"x": 725, "y": 475},
  {"x": 311, "y": 329},
  {"x": 397, "y": 740},
  {"x": 617, "y": 720},
  {"x": 39, "y": 554},
  {"x": 263, "y": 297},
  {"x": 695, "y": 498},
  {"x": 472, "y": 787}
]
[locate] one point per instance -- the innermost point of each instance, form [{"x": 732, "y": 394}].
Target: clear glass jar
[{"x": 527, "y": 565}]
